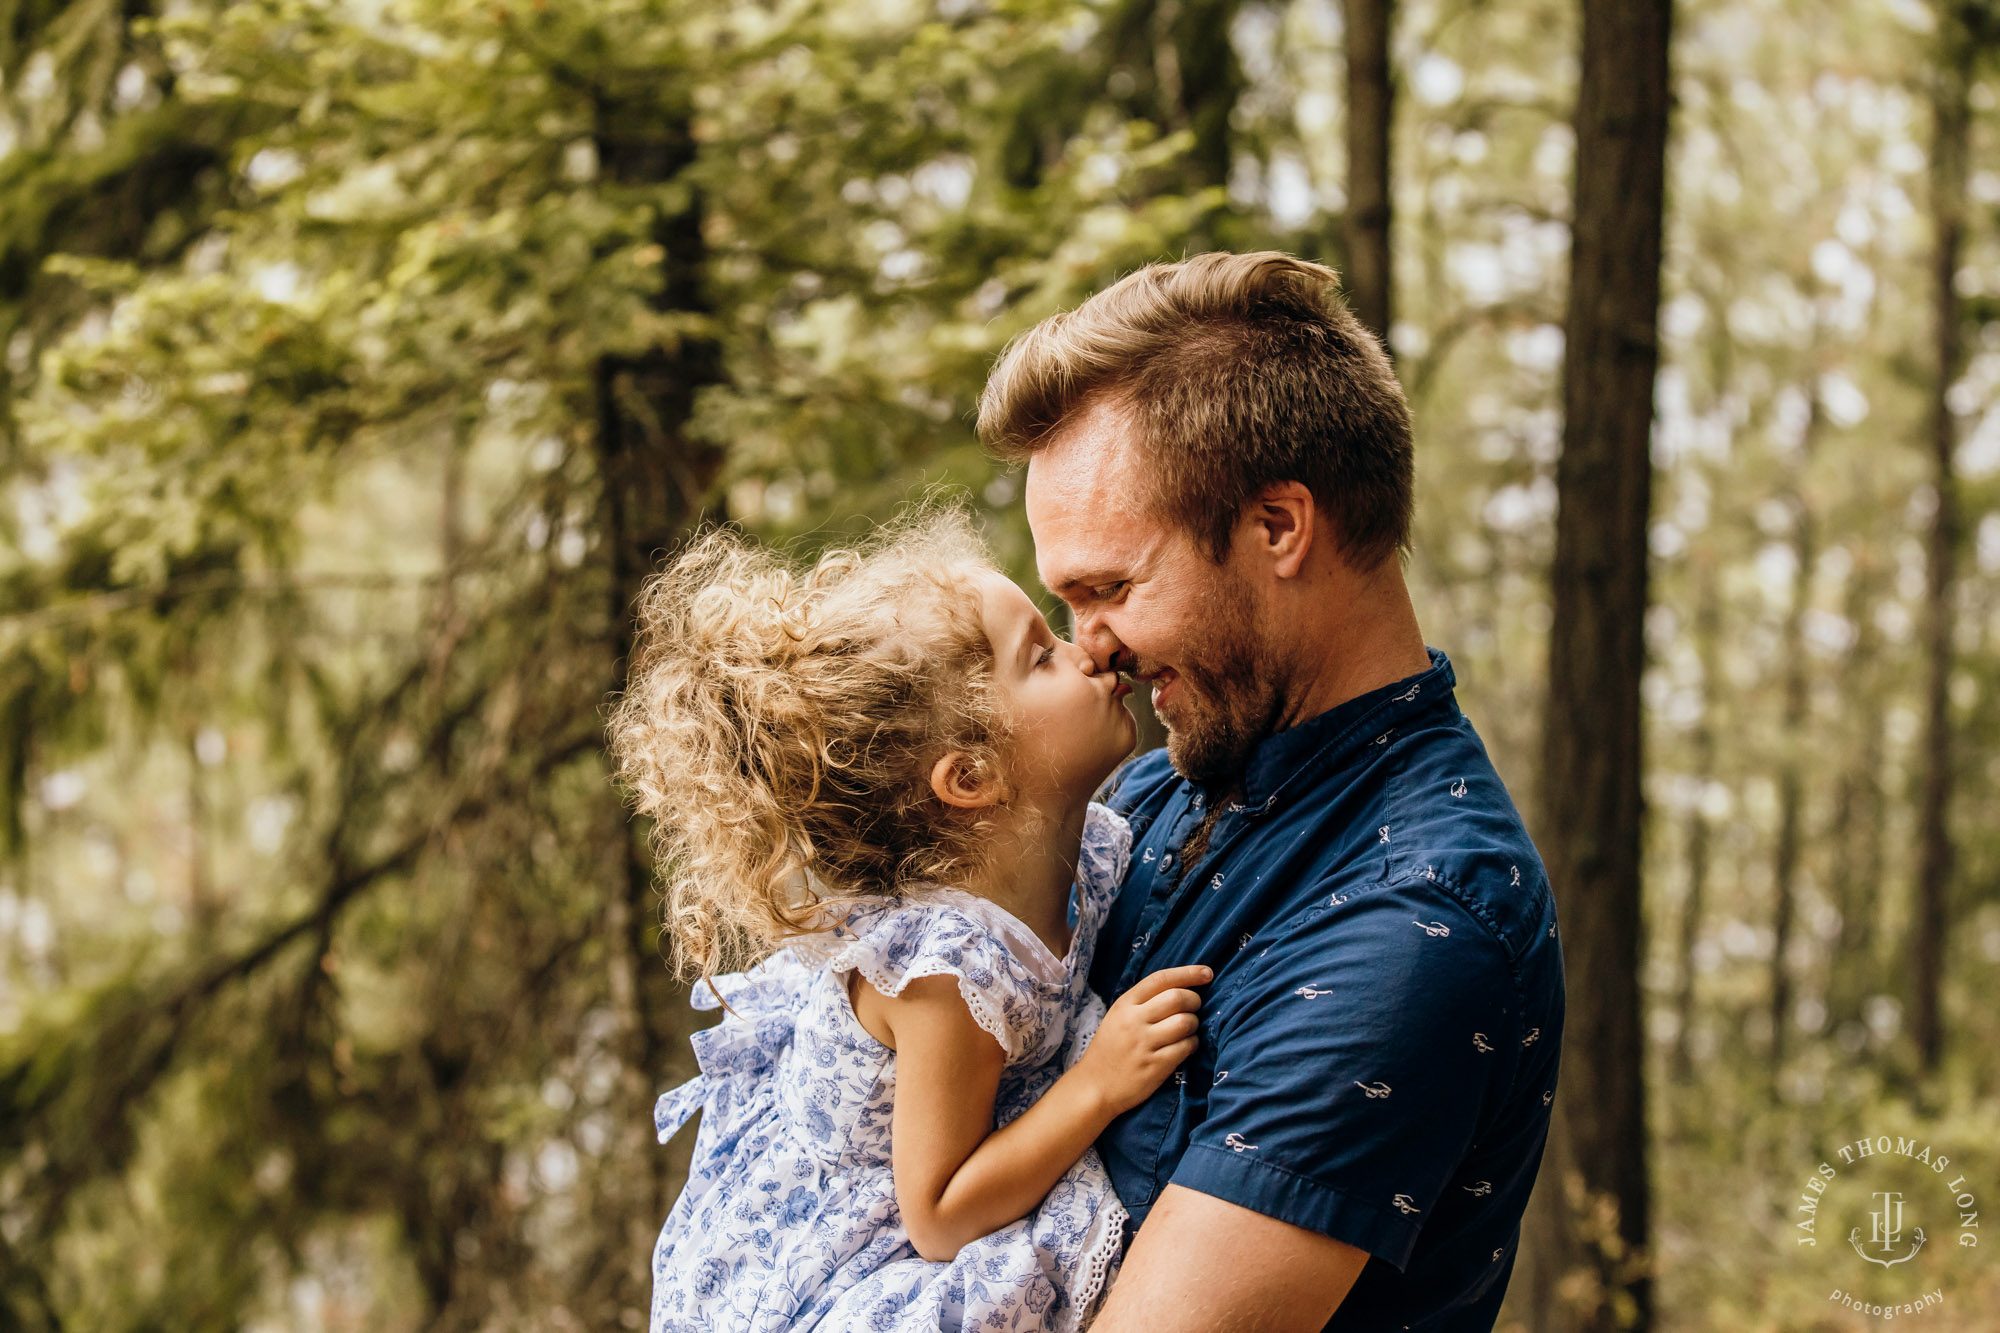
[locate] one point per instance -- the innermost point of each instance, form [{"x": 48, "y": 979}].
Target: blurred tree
[
  {"x": 1962, "y": 29},
  {"x": 1792, "y": 740},
  {"x": 1371, "y": 106},
  {"x": 1707, "y": 630},
  {"x": 1591, "y": 806},
  {"x": 360, "y": 470},
  {"x": 358, "y": 358}
]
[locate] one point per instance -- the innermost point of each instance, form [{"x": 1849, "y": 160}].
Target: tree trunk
[
  {"x": 1370, "y": 114},
  {"x": 655, "y": 478},
  {"x": 1591, "y": 801},
  {"x": 1791, "y": 775},
  {"x": 1185, "y": 75},
  {"x": 1934, "y": 855},
  {"x": 1708, "y": 644},
  {"x": 1859, "y": 808}
]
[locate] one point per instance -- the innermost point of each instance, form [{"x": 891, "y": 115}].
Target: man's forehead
[{"x": 1091, "y": 536}]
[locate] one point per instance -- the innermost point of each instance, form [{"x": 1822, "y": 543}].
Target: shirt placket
[{"x": 1169, "y": 884}]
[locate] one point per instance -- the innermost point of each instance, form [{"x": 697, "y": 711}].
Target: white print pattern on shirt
[
  {"x": 1437, "y": 930},
  {"x": 1534, "y": 1035},
  {"x": 1406, "y": 1204},
  {"x": 1235, "y": 1143},
  {"x": 1374, "y": 1091},
  {"x": 1409, "y": 694},
  {"x": 1458, "y": 787},
  {"x": 1310, "y": 992},
  {"x": 1479, "y": 1188},
  {"x": 1479, "y": 1043}
]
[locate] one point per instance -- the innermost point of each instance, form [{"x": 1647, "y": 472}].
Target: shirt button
[{"x": 1166, "y": 861}]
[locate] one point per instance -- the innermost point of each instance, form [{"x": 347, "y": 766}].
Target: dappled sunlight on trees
[{"x": 360, "y": 358}]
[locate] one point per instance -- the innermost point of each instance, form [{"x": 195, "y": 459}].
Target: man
[{"x": 1219, "y": 484}]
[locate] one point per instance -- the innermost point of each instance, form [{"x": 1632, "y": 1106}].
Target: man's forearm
[{"x": 1204, "y": 1265}]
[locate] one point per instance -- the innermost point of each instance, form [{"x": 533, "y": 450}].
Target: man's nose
[{"x": 1092, "y": 635}]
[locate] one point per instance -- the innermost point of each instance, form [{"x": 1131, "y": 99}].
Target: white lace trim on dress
[{"x": 1103, "y": 1248}]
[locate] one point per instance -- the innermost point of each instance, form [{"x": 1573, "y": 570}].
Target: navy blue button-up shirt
[{"x": 1378, "y": 1048}]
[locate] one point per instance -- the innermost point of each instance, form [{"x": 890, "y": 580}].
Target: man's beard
[{"x": 1226, "y": 699}]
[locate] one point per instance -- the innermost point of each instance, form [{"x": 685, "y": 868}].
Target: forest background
[{"x": 361, "y": 356}]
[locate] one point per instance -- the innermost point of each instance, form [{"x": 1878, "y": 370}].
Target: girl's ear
[{"x": 960, "y": 780}]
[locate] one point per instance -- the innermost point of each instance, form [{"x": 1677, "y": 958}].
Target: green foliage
[{"x": 360, "y": 357}]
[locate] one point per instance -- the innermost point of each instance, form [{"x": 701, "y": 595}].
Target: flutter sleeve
[
  {"x": 934, "y": 936},
  {"x": 1103, "y": 859}
]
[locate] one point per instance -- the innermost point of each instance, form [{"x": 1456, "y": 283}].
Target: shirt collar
[{"x": 1329, "y": 737}]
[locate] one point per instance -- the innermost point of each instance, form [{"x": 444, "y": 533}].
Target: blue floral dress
[{"x": 789, "y": 1218}]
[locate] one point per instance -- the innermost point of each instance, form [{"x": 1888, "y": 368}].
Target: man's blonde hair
[{"x": 1238, "y": 371}]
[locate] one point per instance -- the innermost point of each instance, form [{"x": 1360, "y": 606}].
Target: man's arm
[{"x": 1204, "y": 1265}]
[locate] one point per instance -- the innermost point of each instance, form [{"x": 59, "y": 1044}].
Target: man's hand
[
  {"x": 1144, "y": 1037},
  {"x": 1203, "y": 1265}
]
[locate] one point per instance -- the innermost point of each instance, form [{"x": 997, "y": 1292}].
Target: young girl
[{"x": 877, "y": 777}]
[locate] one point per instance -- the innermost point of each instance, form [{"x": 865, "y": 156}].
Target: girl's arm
[{"x": 958, "y": 1179}]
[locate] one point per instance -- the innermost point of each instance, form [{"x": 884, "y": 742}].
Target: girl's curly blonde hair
[{"x": 780, "y": 726}]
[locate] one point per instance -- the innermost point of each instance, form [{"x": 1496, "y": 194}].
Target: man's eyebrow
[{"x": 1088, "y": 578}]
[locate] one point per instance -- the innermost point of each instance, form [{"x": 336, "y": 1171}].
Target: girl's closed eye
[{"x": 1047, "y": 655}]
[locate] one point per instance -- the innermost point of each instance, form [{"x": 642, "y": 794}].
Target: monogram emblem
[{"x": 1887, "y": 1232}]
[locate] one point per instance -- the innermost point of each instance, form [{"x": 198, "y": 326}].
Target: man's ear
[
  {"x": 1281, "y": 518},
  {"x": 960, "y": 780}
]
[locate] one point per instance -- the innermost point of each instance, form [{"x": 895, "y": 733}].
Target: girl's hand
[{"x": 1144, "y": 1036}]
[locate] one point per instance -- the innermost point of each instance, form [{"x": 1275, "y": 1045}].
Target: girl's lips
[{"x": 1120, "y": 690}]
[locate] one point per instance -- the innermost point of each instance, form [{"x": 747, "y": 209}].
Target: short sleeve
[
  {"x": 1104, "y": 857},
  {"x": 1354, "y": 1065},
  {"x": 894, "y": 946}
]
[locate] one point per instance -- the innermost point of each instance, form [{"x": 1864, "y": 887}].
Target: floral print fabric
[{"x": 789, "y": 1218}]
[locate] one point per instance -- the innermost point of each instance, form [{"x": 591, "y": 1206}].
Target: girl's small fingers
[
  {"x": 1167, "y": 978},
  {"x": 1175, "y": 1027},
  {"x": 1169, "y": 1002}
]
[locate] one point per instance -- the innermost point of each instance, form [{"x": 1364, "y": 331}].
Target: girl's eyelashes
[{"x": 1047, "y": 655}]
